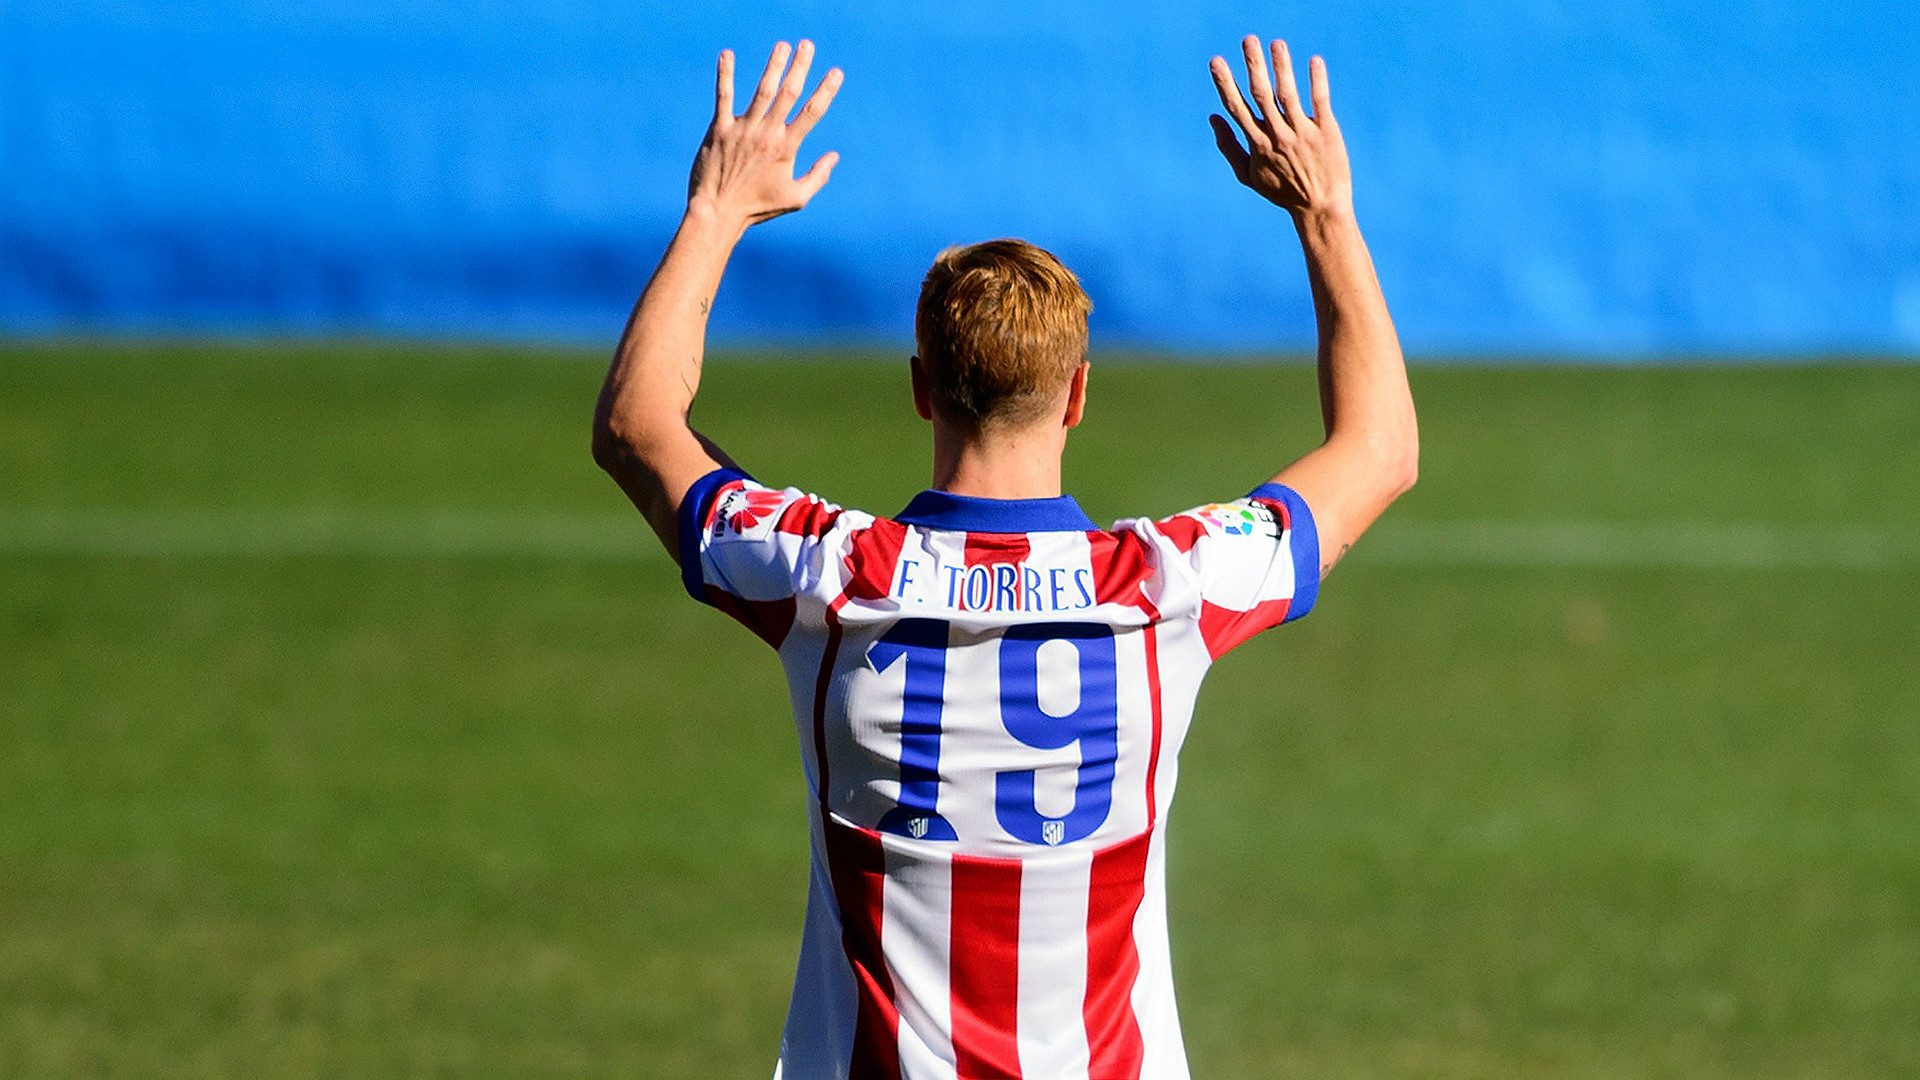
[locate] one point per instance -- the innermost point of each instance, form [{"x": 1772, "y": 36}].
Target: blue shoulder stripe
[{"x": 693, "y": 510}]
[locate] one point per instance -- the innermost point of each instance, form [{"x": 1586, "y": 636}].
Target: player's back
[{"x": 990, "y": 697}]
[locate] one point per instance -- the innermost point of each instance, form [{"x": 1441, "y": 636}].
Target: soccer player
[{"x": 990, "y": 689}]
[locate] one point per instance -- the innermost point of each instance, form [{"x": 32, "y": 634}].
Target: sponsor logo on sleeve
[
  {"x": 744, "y": 510},
  {"x": 1238, "y": 519},
  {"x": 1231, "y": 519}
]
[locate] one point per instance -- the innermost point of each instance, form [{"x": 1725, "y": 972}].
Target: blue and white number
[{"x": 1093, "y": 723}]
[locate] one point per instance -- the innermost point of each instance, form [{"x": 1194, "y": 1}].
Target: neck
[{"x": 998, "y": 464}]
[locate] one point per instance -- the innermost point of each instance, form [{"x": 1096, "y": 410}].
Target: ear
[
  {"x": 922, "y": 390},
  {"x": 1077, "y": 395}
]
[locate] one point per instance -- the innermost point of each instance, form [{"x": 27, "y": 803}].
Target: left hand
[
  {"x": 744, "y": 170},
  {"x": 1295, "y": 161}
]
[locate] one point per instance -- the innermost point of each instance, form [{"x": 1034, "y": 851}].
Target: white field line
[
  {"x": 238, "y": 533},
  {"x": 454, "y": 534},
  {"x": 1689, "y": 545}
]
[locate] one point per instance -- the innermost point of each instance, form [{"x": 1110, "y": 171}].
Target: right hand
[
  {"x": 1295, "y": 161},
  {"x": 744, "y": 170}
]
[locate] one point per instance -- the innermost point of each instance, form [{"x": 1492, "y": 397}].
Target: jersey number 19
[{"x": 1093, "y": 723}]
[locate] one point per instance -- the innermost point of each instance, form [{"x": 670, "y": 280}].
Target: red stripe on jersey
[
  {"x": 1182, "y": 530},
  {"x": 1121, "y": 566},
  {"x": 1223, "y": 628},
  {"x": 768, "y": 619},
  {"x": 821, "y": 683},
  {"x": 870, "y": 560},
  {"x": 987, "y": 548},
  {"x": 857, "y": 862},
  {"x": 1118, "y": 885},
  {"x": 1153, "y": 701},
  {"x": 808, "y": 517},
  {"x": 984, "y": 967}
]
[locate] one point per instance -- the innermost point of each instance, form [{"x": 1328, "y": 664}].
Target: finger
[
  {"x": 816, "y": 106},
  {"x": 816, "y": 177},
  {"x": 795, "y": 81},
  {"x": 1230, "y": 147},
  {"x": 1257, "y": 79},
  {"x": 769, "y": 79},
  {"x": 723, "y": 89},
  {"x": 1322, "y": 94},
  {"x": 1289, "y": 90},
  {"x": 1235, "y": 104}
]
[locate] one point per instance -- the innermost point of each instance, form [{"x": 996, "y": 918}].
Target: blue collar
[{"x": 967, "y": 513}]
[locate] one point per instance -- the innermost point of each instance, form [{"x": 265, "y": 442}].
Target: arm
[
  {"x": 1299, "y": 162},
  {"x": 742, "y": 175}
]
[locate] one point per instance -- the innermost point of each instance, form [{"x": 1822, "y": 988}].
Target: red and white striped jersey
[{"x": 991, "y": 697}]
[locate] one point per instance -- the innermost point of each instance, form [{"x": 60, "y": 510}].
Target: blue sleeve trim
[
  {"x": 1305, "y": 545},
  {"x": 693, "y": 510}
]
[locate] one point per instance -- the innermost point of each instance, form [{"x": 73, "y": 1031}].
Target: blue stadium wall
[{"x": 1612, "y": 180}]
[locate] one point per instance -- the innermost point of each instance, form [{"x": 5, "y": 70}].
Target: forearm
[
  {"x": 641, "y": 435},
  {"x": 655, "y": 373},
  {"x": 1364, "y": 397}
]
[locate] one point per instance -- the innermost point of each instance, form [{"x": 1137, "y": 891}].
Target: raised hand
[
  {"x": 744, "y": 170},
  {"x": 1293, "y": 160}
]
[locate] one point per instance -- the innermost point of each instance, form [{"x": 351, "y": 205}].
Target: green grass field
[{"x": 351, "y": 725}]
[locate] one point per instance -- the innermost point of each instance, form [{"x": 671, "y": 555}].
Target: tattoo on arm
[
  {"x": 1344, "y": 548},
  {"x": 689, "y": 375},
  {"x": 703, "y": 305}
]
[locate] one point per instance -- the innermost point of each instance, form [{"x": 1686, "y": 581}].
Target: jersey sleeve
[
  {"x": 1256, "y": 560},
  {"x": 747, "y": 549}
]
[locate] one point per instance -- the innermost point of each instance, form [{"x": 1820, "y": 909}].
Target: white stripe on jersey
[
  {"x": 1053, "y": 965},
  {"x": 919, "y": 895}
]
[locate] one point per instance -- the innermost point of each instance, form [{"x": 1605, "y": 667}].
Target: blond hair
[{"x": 1002, "y": 326}]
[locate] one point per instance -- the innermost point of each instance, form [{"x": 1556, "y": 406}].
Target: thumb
[
  {"x": 1230, "y": 147},
  {"x": 816, "y": 177}
]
